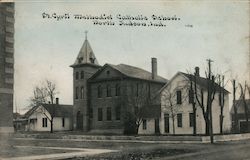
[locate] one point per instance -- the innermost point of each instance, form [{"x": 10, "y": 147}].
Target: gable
[{"x": 107, "y": 72}]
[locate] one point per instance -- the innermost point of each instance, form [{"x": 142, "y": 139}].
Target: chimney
[
  {"x": 57, "y": 100},
  {"x": 154, "y": 68},
  {"x": 197, "y": 71}
]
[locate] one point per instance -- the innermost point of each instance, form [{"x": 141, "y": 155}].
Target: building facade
[
  {"x": 39, "y": 117},
  {"x": 242, "y": 115},
  {"x": 120, "y": 91},
  {"x": 103, "y": 95},
  {"x": 177, "y": 112},
  {"x": 6, "y": 66}
]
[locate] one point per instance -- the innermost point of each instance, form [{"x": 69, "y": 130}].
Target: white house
[
  {"x": 177, "y": 110},
  {"x": 39, "y": 117}
]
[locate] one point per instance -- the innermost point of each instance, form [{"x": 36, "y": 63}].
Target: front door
[
  {"x": 166, "y": 123},
  {"x": 79, "y": 121}
]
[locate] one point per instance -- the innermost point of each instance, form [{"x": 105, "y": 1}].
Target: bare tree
[
  {"x": 235, "y": 117},
  {"x": 170, "y": 103},
  {"x": 243, "y": 91},
  {"x": 136, "y": 104},
  {"x": 221, "y": 101},
  {"x": 206, "y": 108},
  {"x": 192, "y": 100},
  {"x": 39, "y": 96},
  {"x": 44, "y": 93},
  {"x": 51, "y": 90}
]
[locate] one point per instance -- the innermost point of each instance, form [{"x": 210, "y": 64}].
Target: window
[
  {"x": 91, "y": 113},
  {"x": 108, "y": 113},
  {"x": 144, "y": 124},
  {"x": 82, "y": 74},
  {"x": 117, "y": 90},
  {"x": 108, "y": 91},
  {"x": 166, "y": 122},
  {"x": 118, "y": 113},
  {"x": 178, "y": 96},
  {"x": 108, "y": 73},
  {"x": 99, "y": 91},
  {"x": 99, "y": 114},
  {"x": 82, "y": 92},
  {"x": 76, "y": 93},
  {"x": 191, "y": 119},
  {"x": 191, "y": 96},
  {"x": 63, "y": 122},
  {"x": 179, "y": 120},
  {"x": 77, "y": 75},
  {"x": 45, "y": 122}
]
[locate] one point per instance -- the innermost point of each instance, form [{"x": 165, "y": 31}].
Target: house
[
  {"x": 241, "y": 114},
  {"x": 39, "y": 117},
  {"x": 19, "y": 122},
  {"x": 104, "y": 96},
  {"x": 177, "y": 114}
]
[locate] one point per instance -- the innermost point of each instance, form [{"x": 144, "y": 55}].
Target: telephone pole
[{"x": 209, "y": 101}]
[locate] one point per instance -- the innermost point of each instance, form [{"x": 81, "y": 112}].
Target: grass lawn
[{"x": 13, "y": 151}]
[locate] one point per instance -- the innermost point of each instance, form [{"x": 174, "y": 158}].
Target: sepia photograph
[{"x": 124, "y": 80}]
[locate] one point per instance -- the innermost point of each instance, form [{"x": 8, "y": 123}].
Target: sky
[{"x": 46, "y": 47}]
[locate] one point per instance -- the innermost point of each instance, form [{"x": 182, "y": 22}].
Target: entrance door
[
  {"x": 166, "y": 123},
  {"x": 79, "y": 121},
  {"x": 157, "y": 128}
]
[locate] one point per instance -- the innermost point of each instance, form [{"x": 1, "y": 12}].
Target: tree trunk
[
  {"x": 51, "y": 125},
  {"x": 173, "y": 125},
  {"x": 221, "y": 120},
  {"x": 194, "y": 119},
  {"x": 246, "y": 113},
  {"x": 207, "y": 126}
]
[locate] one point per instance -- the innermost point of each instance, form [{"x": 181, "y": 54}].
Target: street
[{"x": 235, "y": 150}]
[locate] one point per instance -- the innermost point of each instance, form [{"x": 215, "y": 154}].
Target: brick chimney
[
  {"x": 57, "y": 100},
  {"x": 197, "y": 71},
  {"x": 154, "y": 67}
]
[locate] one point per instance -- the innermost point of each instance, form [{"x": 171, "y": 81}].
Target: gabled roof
[
  {"x": 57, "y": 109},
  {"x": 86, "y": 55},
  {"x": 132, "y": 72},
  {"x": 202, "y": 81},
  {"x": 240, "y": 104}
]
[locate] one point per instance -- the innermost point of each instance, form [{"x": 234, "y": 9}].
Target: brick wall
[
  {"x": 127, "y": 89},
  {"x": 6, "y": 65}
]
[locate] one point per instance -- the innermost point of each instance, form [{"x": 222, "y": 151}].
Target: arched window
[
  {"x": 117, "y": 90},
  {"x": 77, "y": 75},
  {"x": 108, "y": 91},
  {"x": 76, "y": 93},
  {"x": 99, "y": 91},
  {"x": 82, "y": 74},
  {"x": 82, "y": 92}
]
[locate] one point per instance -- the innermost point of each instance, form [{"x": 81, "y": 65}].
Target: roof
[
  {"x": 85, "y": 55},
  {"x": 135, "y": 72},
  {"x": 58, "y": 110},
  {"x": 152, "y": 111},
  {"x": 240, "y": 104},
  {"x": 202, "y": 81}
]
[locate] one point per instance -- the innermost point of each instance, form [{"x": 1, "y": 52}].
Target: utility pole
[
  {"x": 209, "y": 100},
  {"x": 234, "y": 107}
]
